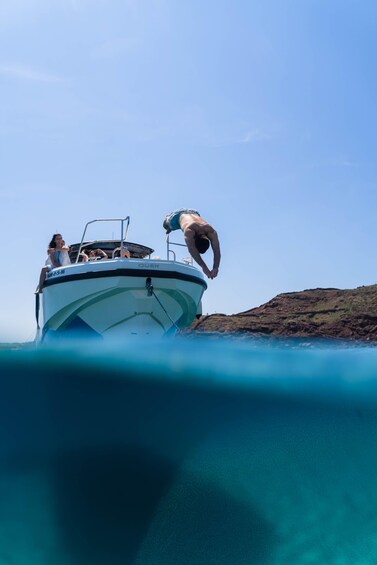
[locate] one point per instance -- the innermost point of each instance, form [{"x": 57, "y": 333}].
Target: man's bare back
[
  {"x": 198, "y": 235},
  {"x": 195, "y": 222}
]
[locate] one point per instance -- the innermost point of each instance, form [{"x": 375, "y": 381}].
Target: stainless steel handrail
[
  {"x": 123, "y": 234},
  {"x": 168, "y": 250}
]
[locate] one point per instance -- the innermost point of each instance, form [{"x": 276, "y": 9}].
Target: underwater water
[{"x": 188, "y": 452}]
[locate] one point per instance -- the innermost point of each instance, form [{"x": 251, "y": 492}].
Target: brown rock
[{"x": 320, "y": 312}]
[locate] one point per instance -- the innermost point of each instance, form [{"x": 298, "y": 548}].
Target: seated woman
[
  {"x": 93, "y": 255},
  {"x": 57, "y": 257},
  {"x": 124, "y": 254}
]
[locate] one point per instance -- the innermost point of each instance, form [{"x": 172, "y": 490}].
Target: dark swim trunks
[{"x": 173, "y": 217}]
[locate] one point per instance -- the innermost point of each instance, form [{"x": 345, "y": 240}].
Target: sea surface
[{"x": 189, "y": 451}]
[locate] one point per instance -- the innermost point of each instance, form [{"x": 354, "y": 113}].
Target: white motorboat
[{"x": 119, "y": 297}]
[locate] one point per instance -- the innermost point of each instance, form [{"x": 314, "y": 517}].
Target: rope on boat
[{"x": 151, "y": 292}]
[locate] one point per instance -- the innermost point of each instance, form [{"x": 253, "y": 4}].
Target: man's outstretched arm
[
  {"x": 190, "y": 242},
  {"x": 213, "y": 237}
]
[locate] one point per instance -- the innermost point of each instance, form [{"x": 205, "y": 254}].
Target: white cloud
[
  {"x": 340, "y": 161},
  {"x": 27, "y": 73},
  {"x": 189, "y": 124},
  {"x": 249, "y": 136},
  {"x": 254, "y": 135}
]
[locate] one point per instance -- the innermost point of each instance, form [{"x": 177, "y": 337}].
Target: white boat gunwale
[{"x": 125, "y": 268}]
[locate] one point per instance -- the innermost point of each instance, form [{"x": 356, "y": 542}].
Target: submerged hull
[{"x": 120, "y": 298}]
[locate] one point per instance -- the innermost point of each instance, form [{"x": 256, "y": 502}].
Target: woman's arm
[{"x": 102, "y": 253}]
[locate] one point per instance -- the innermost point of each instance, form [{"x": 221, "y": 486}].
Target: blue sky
[{"x": 262, "y": 115}]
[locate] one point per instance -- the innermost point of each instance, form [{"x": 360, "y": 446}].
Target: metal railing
[
  {"x": 171, "y": 252},
  {"x": 123, "y": 232}
]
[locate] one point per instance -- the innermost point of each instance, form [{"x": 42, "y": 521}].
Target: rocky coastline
[
  {"x": 315, "y": 313},
  {"x": 309, "y": 315}
]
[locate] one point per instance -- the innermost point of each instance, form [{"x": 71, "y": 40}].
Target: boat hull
[{"x": 120, "y": 298}]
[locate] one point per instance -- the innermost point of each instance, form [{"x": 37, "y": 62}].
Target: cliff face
[{"x": 321, "y": 312}]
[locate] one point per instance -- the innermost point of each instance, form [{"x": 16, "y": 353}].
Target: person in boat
[
  {"x": 57, "y": 257},
  {"x": 198, "y": 234},
  {"x": 94, "y": 255},
  {"x": 124, "y": 254}
]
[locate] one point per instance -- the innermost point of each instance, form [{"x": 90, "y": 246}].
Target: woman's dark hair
[
  {"x": 202, "y": 243},
  {"x": 53, "y": 242}
]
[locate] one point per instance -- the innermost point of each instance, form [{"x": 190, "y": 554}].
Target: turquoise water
[{"x": 188, "y": 452}]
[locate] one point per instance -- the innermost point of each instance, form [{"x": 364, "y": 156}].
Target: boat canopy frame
[{"x": 123, "y": 232}]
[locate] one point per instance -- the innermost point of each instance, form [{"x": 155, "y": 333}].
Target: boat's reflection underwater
[{"x": 166, "y": 455}]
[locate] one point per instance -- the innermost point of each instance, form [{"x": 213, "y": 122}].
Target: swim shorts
[{"x": 173, "y": 217}]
